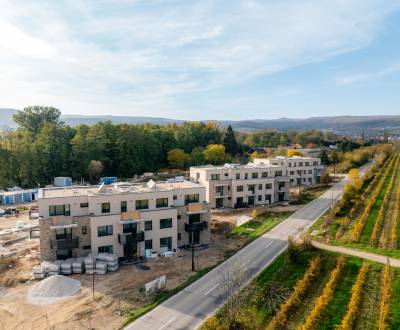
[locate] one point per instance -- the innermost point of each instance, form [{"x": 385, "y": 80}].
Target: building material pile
[
  {"x": 53, "y": 289},
  {"x": 46, "y": 269},
  {"x": 110, "y": 259},
  {"x": 66, "y": 267},
  {"x": 101, "y": 267},
  {"x": 89, "y": 264},
  {"x": 78, "y": 266}
]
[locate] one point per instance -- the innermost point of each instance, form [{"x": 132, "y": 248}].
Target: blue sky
[{"x": 202, "y": 59}]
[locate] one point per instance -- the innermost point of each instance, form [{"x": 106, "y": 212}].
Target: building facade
[
  {"x": 130, "y": 220},
  {"x": 235, "y": 186},
  {"x": 302, "y": 171}
]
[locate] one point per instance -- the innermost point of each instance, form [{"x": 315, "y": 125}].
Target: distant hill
[{"x": 339, "y": 124}]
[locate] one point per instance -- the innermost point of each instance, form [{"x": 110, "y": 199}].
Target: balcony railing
[
  {"x": 196, "y": 226},
  {"x": 65, "y": 244},
  {"x": 131, "y": 238}
]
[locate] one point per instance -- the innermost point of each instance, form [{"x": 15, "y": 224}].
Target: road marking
[
  {"x": 246, "y": 262},
  {"x": 165, "y": 324},
  {"x": 268, "y": 245},
  {"x": 212, "y": 289}
]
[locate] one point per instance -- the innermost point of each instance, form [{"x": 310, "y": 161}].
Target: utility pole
[
  {"x": 192, "y": 249},
  {"x": 94, "y": 268}
]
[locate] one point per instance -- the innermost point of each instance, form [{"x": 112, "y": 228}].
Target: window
[
  {"x": 239, "y": 188},
  {"x": 309, "y": 171},
  {"x": 260, "y": 186},
  {"x": 142, "y": 204},
  {"x": 179, "y": 236},
  {"x": 148, "y": 244},
  {"x": 179, "y": 216},
  {"x": 84, "y": 230},
  {"x": 291, "y": 172},
  {"x": 225, "y": 174},
  {"x": 278, "y": 173},
  {"x": 237, "y": 176},
  {"x": 192, "y": 198},
  {"x": 259, "y": 198},
  {"x": 268, "y": 186},
  {"x": 129, "y": 228},
  {"x": 175, "y": 197},
  {"x": 215, "y": 177},
  {"x": 84, "y": 205},
  {"x": 87, "y": 247},
  {"x": 264, "y": 174},
  {"x": 254, "y": 175},
  {"x": 105, "y": 207},
  {"x": 162, "y": 202},
  {"x": 104, "y": 230},
  {"x": 307, "y": 163},
  {"x": 65, "y": 233},
  {"x": 148, "y": 225},
  {"x": 105, "y": 249},
  {"x": 315, "y": 163},
  {"x": 165, "y": 223},
  {"x": 59, "y": 210},
  {"x": 251, "y": 187},
  {"x": 166, "y": 242},
  {"x": 123, "y": 206},
  {"x": 246, "y": 176}
]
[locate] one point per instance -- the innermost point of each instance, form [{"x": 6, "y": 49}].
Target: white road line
[
  {"x": 212, "y": 289},
  {"x": 246, "y": 262},
  {"x": 268, "y": 245},
  {"x": 166, "y": 323}
]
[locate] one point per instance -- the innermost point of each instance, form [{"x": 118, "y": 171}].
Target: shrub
[{"x": 386, "y": 289}]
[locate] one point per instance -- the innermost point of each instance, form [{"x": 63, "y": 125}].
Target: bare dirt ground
[
  {"x": 10, "y": 222},
  {"x": 115, "y": 293}
]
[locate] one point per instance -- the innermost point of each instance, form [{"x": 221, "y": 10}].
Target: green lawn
[{"x": 262, "y": 224}]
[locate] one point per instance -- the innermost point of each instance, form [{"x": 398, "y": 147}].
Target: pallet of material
[
  {"x": 78, "y": 266},
  {"x": 101, "y": 267}
]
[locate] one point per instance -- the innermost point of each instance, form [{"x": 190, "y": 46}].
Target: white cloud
[
  {"x": 137, "y": 56},
  {"x": 348, "y": 79}
]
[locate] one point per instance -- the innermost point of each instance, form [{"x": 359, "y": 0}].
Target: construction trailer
[{"x": 17, "y": 195}]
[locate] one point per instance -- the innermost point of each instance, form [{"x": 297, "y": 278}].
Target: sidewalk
[{"x": 357, "y": 253}]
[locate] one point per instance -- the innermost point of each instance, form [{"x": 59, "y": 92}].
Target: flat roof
[
  {"x": 116, "y": 188},
  {"x": 237, "y": 166}
]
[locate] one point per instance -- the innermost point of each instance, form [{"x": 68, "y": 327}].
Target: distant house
[{"x": 17, "y": 195}]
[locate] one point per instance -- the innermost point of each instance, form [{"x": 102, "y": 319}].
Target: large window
[
  {"x": 148, "y": 225},
  {"x": 215, "y": 177},
  {"x": 83, "y": 205},
  {"x": 105, "y": 249},
  {"x": 192, "y": 198},
  {"x": 59, "y": 210},
  {"x": 148, "y": 244},
  {"x": 166, "y": 242},
  {"x": 142, "y": 204},
  {"x": 162, "y": 202},
  {"x": 124, "y": 206},
  {"x": 264, "y": 174},
  {"x": 84, "y": 230},
  {"x": 105, "y": 207},
  {"x": 104, "y": 230},
  {"x": 254, "y": 175},
  {"x": 237, "y": 176},
  {"x": 129, "y": 228},
  {"x": 268, "y": 186},
  {"x": 165, "y": 223},
  {"x": 65, "y": 233},
  {"x": 239, "y": 188}
]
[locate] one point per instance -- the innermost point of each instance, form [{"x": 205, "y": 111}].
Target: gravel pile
[{"x": 53, "y": 289}]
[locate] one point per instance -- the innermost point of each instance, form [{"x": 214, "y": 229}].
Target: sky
[{"x": 203, "y": 59}]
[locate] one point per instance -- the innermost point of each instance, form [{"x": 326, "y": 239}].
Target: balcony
[
  {"x": 65, "y": 244},
  {"x": 196, "y": 226},
  {"x": 195, "y": 208},
  {"x": 131, "y": 238}
]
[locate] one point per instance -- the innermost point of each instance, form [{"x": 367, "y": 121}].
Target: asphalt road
[{"x": 190, "y": 307}]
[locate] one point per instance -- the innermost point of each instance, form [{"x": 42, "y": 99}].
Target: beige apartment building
[
  {"x": 301, "y": 171},
  {"x": 235, "y": 186},
  {"x": 130, "y": 220}
]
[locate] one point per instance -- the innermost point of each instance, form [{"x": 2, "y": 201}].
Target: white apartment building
[
  {"x": 300, "y": 170},
  {"x": 129, "y": 220},
  {"x": 235, "y": 186}
]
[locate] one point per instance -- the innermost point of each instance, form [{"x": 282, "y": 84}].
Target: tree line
[{"x": 44, "y": 147}]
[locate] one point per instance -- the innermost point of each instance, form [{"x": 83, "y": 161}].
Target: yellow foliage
[
  {"x": 302, "y": 286},
  {"x": 354, "y": 303},
  {"x": 327, "y": 293},
  {"x": 386, "y": 290},
  {"x": 294, "y": 152}
]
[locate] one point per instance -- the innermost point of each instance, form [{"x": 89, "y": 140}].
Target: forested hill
[{"x": 338, "y": 124}]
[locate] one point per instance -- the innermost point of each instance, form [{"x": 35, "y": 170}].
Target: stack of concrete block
[
  {"x": 110, "y": 259},
  {"x": 89, "y": 264},
  {"x": 66, "y": 267},
  {"x": 52, "y": 268},
  {"x": 38, "y": 272},
  {"x": 78, "y": 266},
  {"x": 101, "y": 267}
]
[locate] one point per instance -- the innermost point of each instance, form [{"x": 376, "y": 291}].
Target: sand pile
[{"x": 53, "y": 289}]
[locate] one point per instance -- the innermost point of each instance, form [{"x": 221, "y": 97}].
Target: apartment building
[
  {"x": 235, "y": 186},
  {"x": 300, "y": 170},
  {"x": 130, "y": 220}
]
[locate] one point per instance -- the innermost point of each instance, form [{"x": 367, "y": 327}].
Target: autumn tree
[
  {"x": 177, "y": 158},
  {"x": 215, "y": 153},
  {"x": 294, "y": 152},
  {"x": 95, "y": 169}
]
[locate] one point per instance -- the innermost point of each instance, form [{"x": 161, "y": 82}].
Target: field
[
  {"x": 309, "y": 289},
  {"x": 371, "y": 220}
]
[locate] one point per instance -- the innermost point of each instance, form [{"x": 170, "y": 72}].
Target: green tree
[
  {"x": 177, "y": 158},
  {"x": 215, "y": 153},
  {"x": 197, "y": 156},
  {"x": 33, "y": 118},
  {"x": 229, "y": 141}
]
